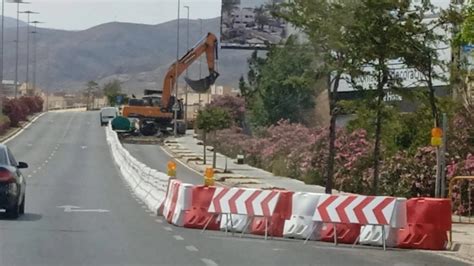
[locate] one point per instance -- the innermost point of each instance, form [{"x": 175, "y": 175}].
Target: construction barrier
[
  {"x": 235, "y": 223},
  {"x": 419, "y": 223},
  {"x": 427, "y": 229},
  {"x": 343, "y": 233},
  {"x": 350, "y": 211},
  {"x": 243, "y": 201},
  {"x": 276, "y": 223},
  {"x": 146, "y": 183},
  {"x": 178, "y": 200},
  {"x": 372, "y": 235},
  {"x": 301, "y": 220},
  {"x": 197, "y": 216}
]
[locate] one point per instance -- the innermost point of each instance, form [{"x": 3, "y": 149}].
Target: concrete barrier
[{"x": 148, "y": 184}]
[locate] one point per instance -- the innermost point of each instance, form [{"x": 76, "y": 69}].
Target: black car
[{"x": 12, "y": 183}]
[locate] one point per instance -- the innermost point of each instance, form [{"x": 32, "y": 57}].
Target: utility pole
[
  {"x": 17, "y": 46},
  {"x": 200, "y": 68},
  {"x": 175, "y": 128},
  {"x": 28, "y": 13},
  {"x": 187, "y": 73},
  {"x": 35, "y": 44},
  {"x": 1, "y": 55}
]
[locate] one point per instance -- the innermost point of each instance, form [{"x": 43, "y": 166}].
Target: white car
[{"x": 107, "y": 114}]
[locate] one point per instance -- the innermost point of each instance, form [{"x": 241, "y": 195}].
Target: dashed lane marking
[
  {"x": 192, "y": 248},
  {"x": 159, "y": 221},
  {"x": 167, "y": 228},
  {"x": 209, "y": 262},
  {"x": 178, "y": 237},
  {"x": 29, "y": 176}
]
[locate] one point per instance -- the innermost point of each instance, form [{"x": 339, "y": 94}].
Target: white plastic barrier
[
  {"x": 178, "y": 200},
  {"x": 301, "y": 222},
  {"x": 147, "y": 183},
  {"x": 372, "y": 235},
  {"x": 239, "y": 221}
]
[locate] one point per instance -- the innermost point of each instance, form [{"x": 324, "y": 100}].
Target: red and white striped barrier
[
  {"x": 354, "y": 209},
  {"x": 363, "y": 210},
  {"x": 250, "y": 202},
  {"x": 178, "y": 200},
  {"x": 243, "y": 201}
]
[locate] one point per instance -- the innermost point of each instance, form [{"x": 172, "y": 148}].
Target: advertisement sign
[{"x": 248, "y": 24}]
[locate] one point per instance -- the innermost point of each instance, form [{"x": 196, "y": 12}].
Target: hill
[{"x": 137, "y": 54}]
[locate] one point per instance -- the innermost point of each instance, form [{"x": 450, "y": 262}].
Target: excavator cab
[{"x": 202, "y": 85}]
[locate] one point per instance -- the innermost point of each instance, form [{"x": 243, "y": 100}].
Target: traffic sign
[
  {"x": 175, "y": 107},
  {"x": 119, "y": 99},
  {"x": 468, "y": 48}
]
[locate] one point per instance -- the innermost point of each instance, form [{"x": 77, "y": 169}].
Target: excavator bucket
[{"x": 204, "y": 84}]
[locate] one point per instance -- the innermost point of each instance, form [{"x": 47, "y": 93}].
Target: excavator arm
[{"x": 207, "y": 45}]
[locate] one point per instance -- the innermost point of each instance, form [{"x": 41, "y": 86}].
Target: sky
[{"x": 83, "y": 14}]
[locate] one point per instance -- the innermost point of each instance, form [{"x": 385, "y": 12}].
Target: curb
[{"x": 11, "y": 135}]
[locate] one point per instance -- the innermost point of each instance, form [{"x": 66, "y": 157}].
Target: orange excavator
[{"x": 155, "y": 111}]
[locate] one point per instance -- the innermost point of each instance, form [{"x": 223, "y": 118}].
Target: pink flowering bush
[
  {"x": 294, "y": 150},
  {"x": 234, "y": 105}
]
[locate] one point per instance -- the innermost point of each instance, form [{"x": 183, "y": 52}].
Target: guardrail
[{"x": 461, "y": 192}]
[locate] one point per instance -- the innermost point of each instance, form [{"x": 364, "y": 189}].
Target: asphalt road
[
  {"x": 155, "y": 157},
  {"x": 70, "y": 165}
]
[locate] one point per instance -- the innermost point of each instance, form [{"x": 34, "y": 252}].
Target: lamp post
[
  {"x": 35, "y": 44},
  {"x": 200, "y": 68},
  {"x": 175, "y": 128},
  {"x": 18, "y": 2},
  {"x": 187, "y": 72},
  {"x": 1, "y": 54},
  {"x": 28, "y": 13}
]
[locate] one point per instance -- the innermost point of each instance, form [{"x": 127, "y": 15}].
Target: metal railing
[{"x": 461, "y": 189}]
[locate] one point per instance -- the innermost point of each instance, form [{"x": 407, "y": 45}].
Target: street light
[
  {"x": 35, "y": 32},
  {"x": 187, "y": 72},
  {"x": 1, "y": 54},
  {"x": 29, "y": 13},
  {"x": 175, "y": 129},
  {"x": 200, "y": 67},
  {"x": 18, "y": 2}
]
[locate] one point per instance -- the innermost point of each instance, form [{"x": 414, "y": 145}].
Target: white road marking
[
  {"x": 83, "y": 147},
  {"x": 192, "y": 248},
  {"x": 29, "y": 176},
  {"x": 159, "y": 221},
  {"x": 46, "y": 161},
  {"x": 152, "y": 215},
  {"x": 69, "y": 208},
  {"x": 34, "y": 171},
  {"x": 209, "y": 262},
  {"x": 178, "y": 237},
  {"x": 39, "y": 168},
  {"x": 167, "y": 228}
]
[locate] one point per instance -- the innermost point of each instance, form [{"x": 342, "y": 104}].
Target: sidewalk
[
  {"x": 188, "y": 150},
  {"x": 463, "y": 242}
]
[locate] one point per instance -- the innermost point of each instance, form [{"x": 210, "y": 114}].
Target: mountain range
[{"x": 136, "y": 54}]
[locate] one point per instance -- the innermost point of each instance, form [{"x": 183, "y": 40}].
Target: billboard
[{"x": 248, "y": 24}]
